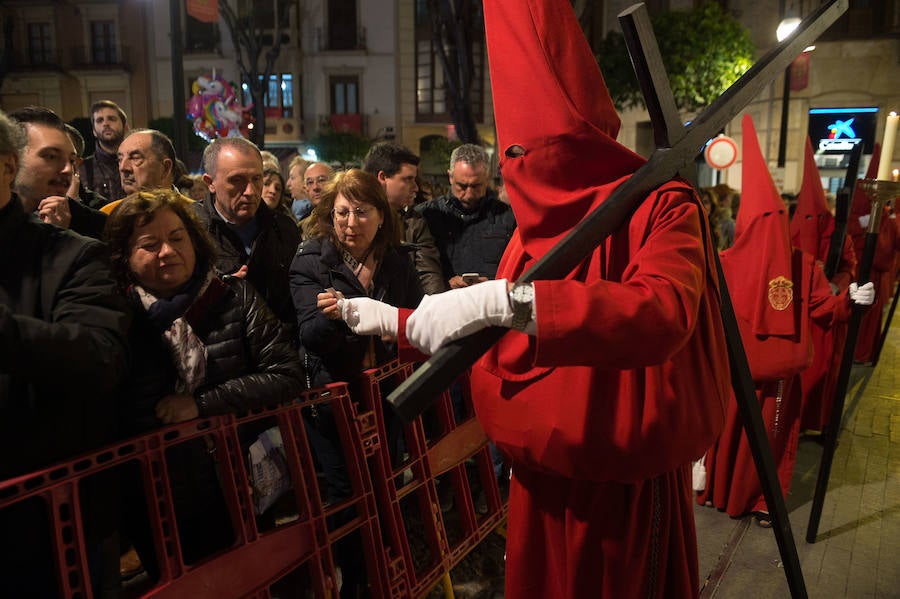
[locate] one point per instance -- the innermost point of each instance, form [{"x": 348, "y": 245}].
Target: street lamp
[{"x": 788, "y": 24}]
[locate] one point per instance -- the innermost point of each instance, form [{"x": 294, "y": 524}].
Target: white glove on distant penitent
[
  {"x": 457, "y": 313},
  {"x": 864, "y": 221},
  {"x": 366, "y": 316},
  {"x": 862, "y": 296}
]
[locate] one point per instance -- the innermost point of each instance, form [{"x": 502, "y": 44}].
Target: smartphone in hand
[{"x": 470, "y": 278}]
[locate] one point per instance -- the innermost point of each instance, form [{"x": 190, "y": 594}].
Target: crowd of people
[
  {"x": 136, "y": 295},
  {"x": 168, "y": 305}
]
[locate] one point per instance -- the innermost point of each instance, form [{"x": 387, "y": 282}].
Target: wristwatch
[{"x": 521, "y": 300}]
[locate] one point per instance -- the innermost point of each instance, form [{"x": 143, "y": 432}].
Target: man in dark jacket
[
  {"x": 62, "y": 353},
  {"x": 100, "y": 172},
  {"x": 396, "y": 168},
  {"x": 46, "y": 170},
  {"x": 254, "y": 241},
  {"x": 470, "y": 225}
]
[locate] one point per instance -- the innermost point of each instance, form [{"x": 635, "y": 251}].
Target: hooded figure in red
[
  {"x": 626, "y": 378},
  {"x": 622, "y": 379},
  {"x": 882, "y": 265},
  {"x": 811, "y": 229},
  {"x": 776, "y": 292}
]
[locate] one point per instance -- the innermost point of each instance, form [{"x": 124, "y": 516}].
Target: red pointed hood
[
  {"x": 758, "y": 265},
  {"x": 862, "y": 205},
  {"x": 550, "y": 99},
  {"x": 813, "y": 223}
]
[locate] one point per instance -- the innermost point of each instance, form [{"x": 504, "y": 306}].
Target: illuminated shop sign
[{"x": 838, "y": 130}]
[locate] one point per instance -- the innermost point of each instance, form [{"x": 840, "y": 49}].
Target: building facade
[{"x": 372, "y": 68}]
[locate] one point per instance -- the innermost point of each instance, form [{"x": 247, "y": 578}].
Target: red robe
[
  {"x": 776, "y": 291},
  {"x": 811, "y": 230},
  {"x": 818, "y": 382},
  {"x": 626, "y": 380},
  {"x": 881, "y": 275},
  {"x": 732, "y": 482},
  {"x": 882, "y": 264},
  {"x": 601, "y": 411}
]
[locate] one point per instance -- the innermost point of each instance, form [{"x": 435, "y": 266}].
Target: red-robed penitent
[
  {"x": 811, "y": 229},
  {"x": 881, "y": 274},
  {"x": 626, "y": 379},
  {"x": 776, "y": 291}
]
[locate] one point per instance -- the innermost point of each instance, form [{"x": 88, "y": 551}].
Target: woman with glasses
[{"x": 353, "y": 250}]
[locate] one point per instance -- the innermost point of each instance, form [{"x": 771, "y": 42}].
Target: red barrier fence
[{"x": 394, "y": 511}]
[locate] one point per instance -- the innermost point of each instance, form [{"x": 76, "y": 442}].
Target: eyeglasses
[
  {"x": 343, "y": 215},
  {"x": 320, "y": 180}
]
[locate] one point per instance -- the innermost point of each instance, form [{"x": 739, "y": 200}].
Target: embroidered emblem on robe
[{"x": 781, "y": 293}]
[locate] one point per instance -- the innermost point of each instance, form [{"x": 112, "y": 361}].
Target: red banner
[
  {"x": 206, "y": 11},
  {"x": 347, "y": 123},
  {"x": 800, "y": 72}
]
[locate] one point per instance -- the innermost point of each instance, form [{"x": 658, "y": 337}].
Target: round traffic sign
[{"x": 721, "y": 152}]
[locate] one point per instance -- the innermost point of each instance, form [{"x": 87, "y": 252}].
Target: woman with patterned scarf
[{"x": 201, "y": 345}]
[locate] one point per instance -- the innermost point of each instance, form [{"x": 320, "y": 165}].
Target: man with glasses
[
  {"x": 470, "y": 225},
  {"x": 315, "y": 178}
]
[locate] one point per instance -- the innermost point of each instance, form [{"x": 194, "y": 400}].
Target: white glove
[
  {"x": 366, "y": 316},
  {"x": 864, "y": 221},
  {"x": 862, "y": 296},
  {"x": 457, "y": 313}
]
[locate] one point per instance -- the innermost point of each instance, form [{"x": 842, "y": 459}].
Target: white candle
[{"x": 887, "y": 147}]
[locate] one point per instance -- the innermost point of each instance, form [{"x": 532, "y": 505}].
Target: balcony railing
[
  {"x": 87, "y": 57},
  {"x": 324, "y": 43},
  {"x": 344, "y": 123},
  {"x": 73, "y": 57},
  {"x": 26, "y": 59}
]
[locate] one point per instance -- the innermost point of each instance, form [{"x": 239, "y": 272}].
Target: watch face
[{"x": 523, "y": 293}]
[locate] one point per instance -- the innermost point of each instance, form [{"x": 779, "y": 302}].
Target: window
[
  {"x": 103, "y": 42},
  {"x": 431, "y": 87},
  {"x": 280, "y": 96},
  {"x": 40, "y": 44},
  {"x": 865, "y": 19},
  {"x": 344, "y": 94},
  {"x": 342, "y": 29},
  {"x": 200, "y": 36}
]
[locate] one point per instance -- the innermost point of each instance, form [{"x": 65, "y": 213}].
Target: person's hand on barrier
[
  {"x": 454, "y": 314},
  {"x": 862, "y": 296},
  {"x": 177, "y": 408},
  {"x": 366, "y": 316}
]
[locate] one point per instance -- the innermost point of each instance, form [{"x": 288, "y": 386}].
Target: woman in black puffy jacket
[{"x": 201, "y": 345}]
